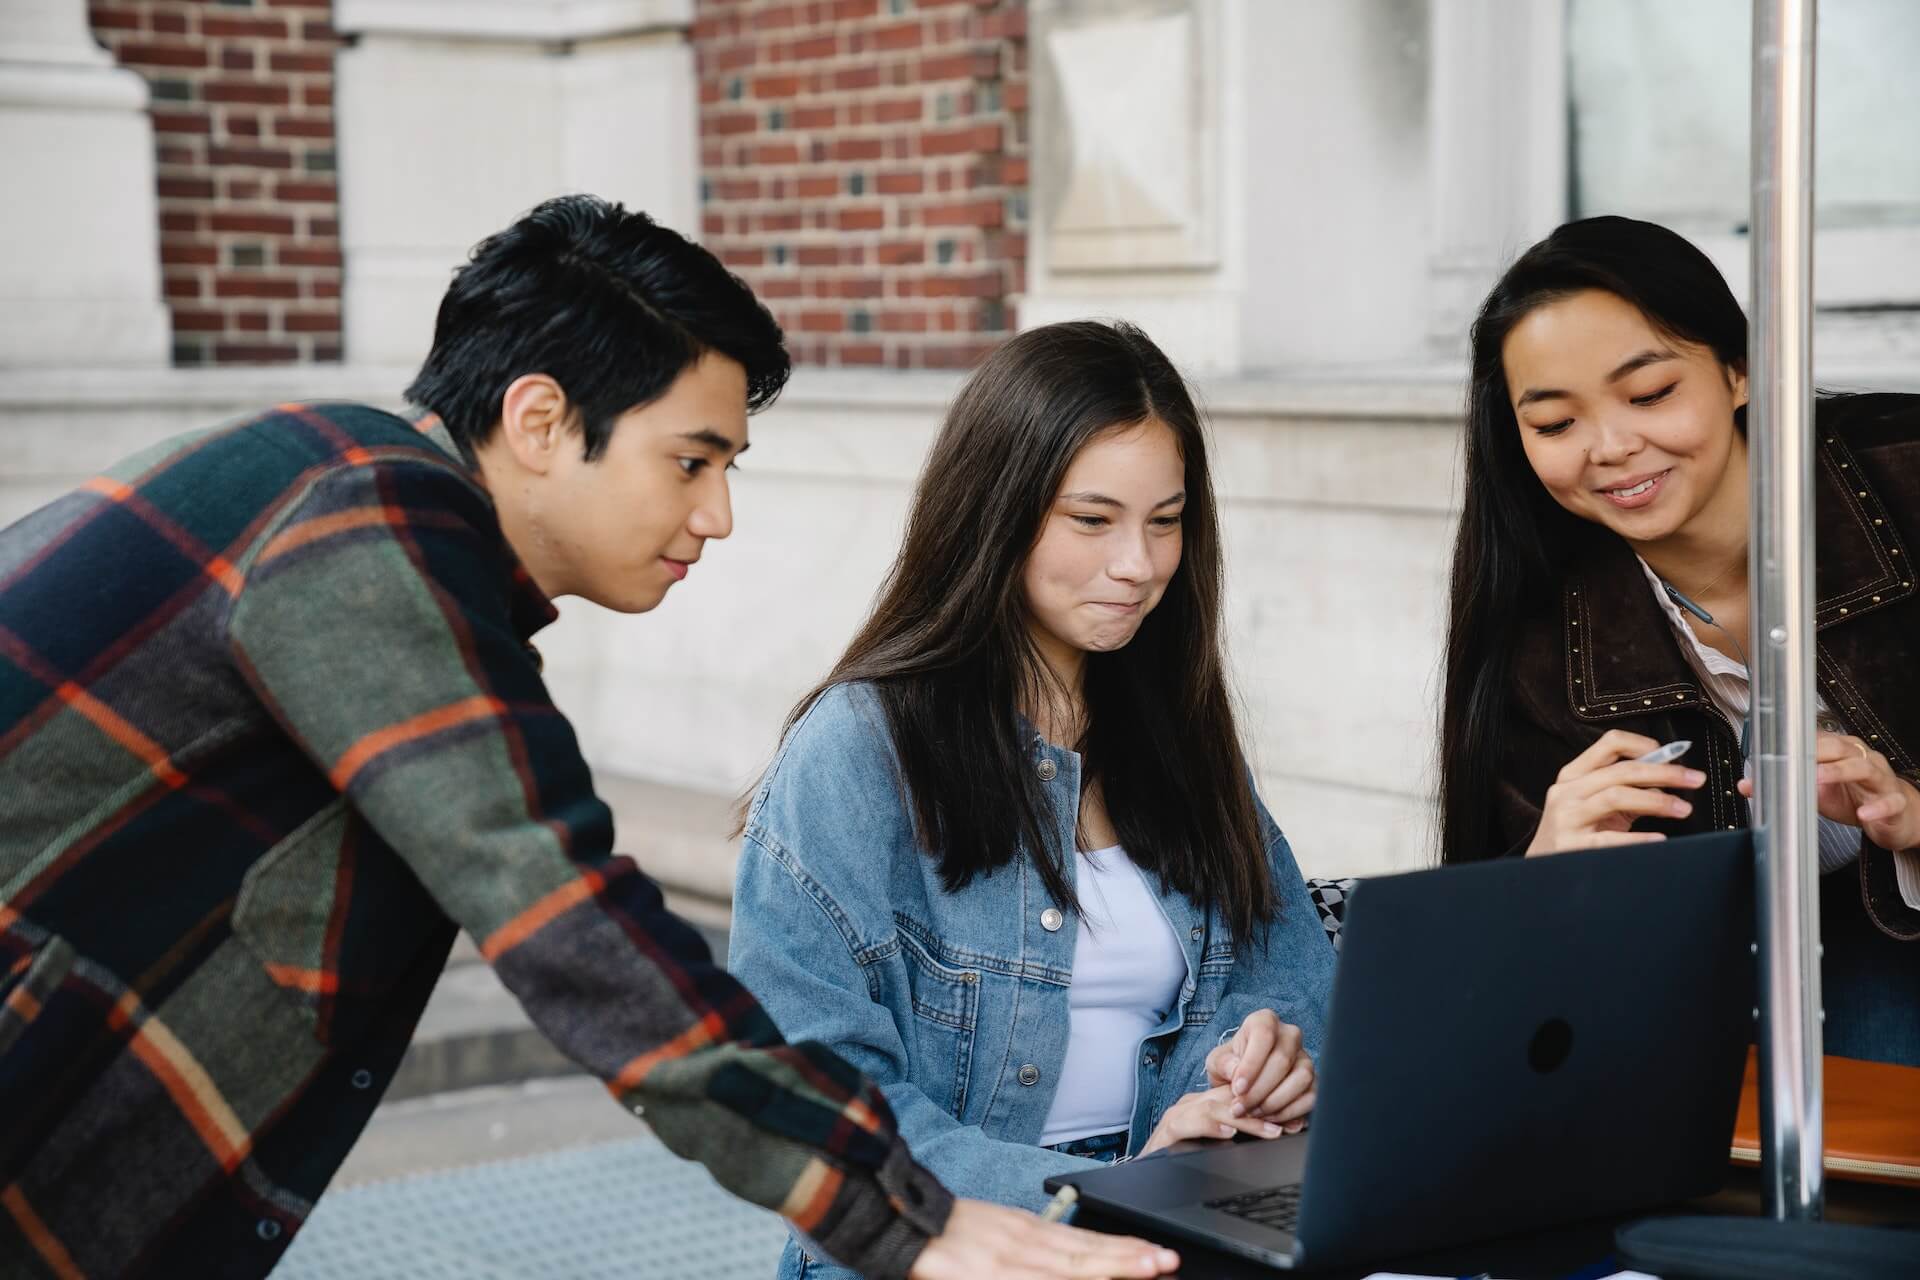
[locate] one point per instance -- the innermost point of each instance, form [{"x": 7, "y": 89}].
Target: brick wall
[
  {"x": 243, "y": 131},
  {"x": 863, "y": 166}
]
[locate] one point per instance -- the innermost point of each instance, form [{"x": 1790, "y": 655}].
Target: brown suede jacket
[{"x": 1607, "y": 656}]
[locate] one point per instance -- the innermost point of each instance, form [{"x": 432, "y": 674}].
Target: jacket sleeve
[
  {"x": 811, "y": 915},
  {"x": 373, "y": 619}
]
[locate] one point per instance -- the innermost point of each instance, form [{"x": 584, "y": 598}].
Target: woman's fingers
[
  {"x": 1633, "y": 802},
  {"x": 1253, "y": 1047},
  {"x": 1613, "y": 745},
  {"x": 1283, "y": 1103}
]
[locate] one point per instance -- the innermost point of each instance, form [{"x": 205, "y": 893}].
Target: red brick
[
  {"x": 737, "y": 188},
  {"x": 902, "y": 322},
  {"x": 175, "y": 285},
  {"x": 246, "y": 91},
  {"x": 307, "y": 257},
  {"x": 237, "y": 60},
  {"x": 306, "y": 192},
  {"x": 820, "y": 46},
  {"x": 731, "y": 123},
  {"x": 255, "y": 287},
  {"x": 813, "y": 117},
  {"x": 817, "y": 255},
  {"x": 301, "y": 63},
  {"x": 855, "y": 10},
  {"x": 902, "y": 253},
  {"x": 250, "y": 157},
  {"x": 902, "y": 35},
  {"x": 179, "y": 222},
  {"x": 243, "y": 188},
  {"x": 863, "y": 353},
  {"x": 1014, "y": 96},
  {"x": 743, "y": 257},
  {"x": 778, "y": 287},
  {"x": 253, "y": 321},
  {"x": 816, "y": 188},
  {"x": 777, "y": 153},
  {"x": 253, "y": 353},
  {"x": 821, "y": 322},
  {"x": 961, "y": 286},
  {"x": 864, "y": 77},
  {"x": 323, "y": 288},
  {"x": 241, "y": 124},
  {"x": 311, "y": 322},
  {"x": 969, "y": 213},
  {"x": 897, "y": 110},
  {"x": 772, "y": 19},
  {"x": 321, "y": 227},
  {"x": 317, "y": 95},
  {"x": 188, "y": 320},
  {"x": 318, "y": 32},
  {"x": 858, "y": 149},
  {"x": 268, "y": 224},
  {"x": 185, "y": 188},
  {"x": 163, "y": 55},
  {"x": 902, "y": 182},
  {"x": 949, "y": 142},
  {"x": 980, "y": 64},
  {"x": 785, "y": 86},
  {"x": 176, "y": 254},
  {"x": 862, "y": 219},
  {"x": 303, "y": 126},
  {"x": 114, "y": 17},
  {"x": 214, "y": 24},
  {"x": 176, "y": 156}
]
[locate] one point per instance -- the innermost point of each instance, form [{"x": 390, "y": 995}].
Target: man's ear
[{"x": 535, "y": 421}]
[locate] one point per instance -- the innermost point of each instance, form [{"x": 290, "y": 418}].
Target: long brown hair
[{"x": 948, "y": 650}]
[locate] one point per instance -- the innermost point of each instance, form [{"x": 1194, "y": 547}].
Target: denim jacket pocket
[{"x": 946, "y": 1012}]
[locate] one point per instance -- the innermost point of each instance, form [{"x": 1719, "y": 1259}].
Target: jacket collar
[{"x": 1622, "y": 657}]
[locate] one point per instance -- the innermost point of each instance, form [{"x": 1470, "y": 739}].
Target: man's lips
[{"x": 1636, "y": 491}]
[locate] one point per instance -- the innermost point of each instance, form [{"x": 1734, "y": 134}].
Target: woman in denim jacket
[{"x": 1008, "y": 860}]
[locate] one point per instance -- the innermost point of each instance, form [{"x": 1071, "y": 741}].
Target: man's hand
[
  {"x": 990, "y": 1242},
  {"x": 1270, "y": 1074}
]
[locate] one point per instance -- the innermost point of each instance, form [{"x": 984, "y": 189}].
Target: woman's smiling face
[{"x": 1625, "y": 426}]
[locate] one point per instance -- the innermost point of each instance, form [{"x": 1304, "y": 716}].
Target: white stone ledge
[{"x": 511, "y": 20}]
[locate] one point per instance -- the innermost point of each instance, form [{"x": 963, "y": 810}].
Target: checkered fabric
[
  {"x": 1330, "y": 900},
  {"x": 270, "y": 732}
]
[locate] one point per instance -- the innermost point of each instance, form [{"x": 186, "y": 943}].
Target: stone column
[
  {"x": 456, "y": 116},
  {"x": 1499, "y": 149},
  {"x": 1245, "y": 179},
  {"x": 79, "y": 234}
]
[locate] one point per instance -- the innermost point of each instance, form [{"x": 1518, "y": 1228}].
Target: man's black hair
[{"x": 607, "y": 303}]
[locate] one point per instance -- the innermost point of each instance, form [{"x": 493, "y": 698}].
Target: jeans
[
  {"x": 1104, "y": 1147},
  {"x": 1869, "y": 983}
]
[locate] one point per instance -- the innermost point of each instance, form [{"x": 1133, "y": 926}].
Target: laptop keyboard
[{"x": 1278, "y": 1207}]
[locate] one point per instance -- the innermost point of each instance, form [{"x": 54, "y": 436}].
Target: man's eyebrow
[
  {"x": 1102, "y": 500},
  {"x": 715, "y": 441}
]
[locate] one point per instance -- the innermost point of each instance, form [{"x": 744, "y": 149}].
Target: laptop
[{"x": 1511, "y": 1045}]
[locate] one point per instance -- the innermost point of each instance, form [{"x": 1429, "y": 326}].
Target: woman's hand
[
  {"x": 1602, "y": 791},
  {"x": 991, "y": 1242},
  {"x": 1268, "y": 1072},
  {"x": 1206, "y": 1114},
  {"x": 1858, "y": 787}
]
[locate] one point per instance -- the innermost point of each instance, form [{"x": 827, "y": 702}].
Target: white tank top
[{"x": 1128, "y": 968}]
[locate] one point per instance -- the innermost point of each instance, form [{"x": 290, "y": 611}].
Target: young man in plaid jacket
[{"x": 271, "y": 730}]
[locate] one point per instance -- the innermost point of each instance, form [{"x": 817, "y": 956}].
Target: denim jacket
[{"x": 956, "y": 1004}]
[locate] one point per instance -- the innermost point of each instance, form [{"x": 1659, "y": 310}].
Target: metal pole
[{"x": 1780, "y": 438}]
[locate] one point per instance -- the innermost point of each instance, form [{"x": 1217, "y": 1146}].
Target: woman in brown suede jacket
[{"x": 1600, "y": 600}]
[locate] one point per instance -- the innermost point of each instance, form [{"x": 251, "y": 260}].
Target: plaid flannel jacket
[{"x": 270, "y": 732}]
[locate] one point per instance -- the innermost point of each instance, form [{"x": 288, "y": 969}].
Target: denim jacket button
[
  {"x": 1029, "y": 1074},
  {"x": 1046, "y": 769},
  {"x": 1051, "y": 919}
]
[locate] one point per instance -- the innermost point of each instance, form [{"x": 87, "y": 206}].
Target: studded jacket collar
[{"x": 1606, "y": 656}]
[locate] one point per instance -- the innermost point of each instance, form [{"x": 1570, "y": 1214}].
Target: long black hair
[
  {"x": 948, "y": 648},
  {"x": 1512, "y": 532}
]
